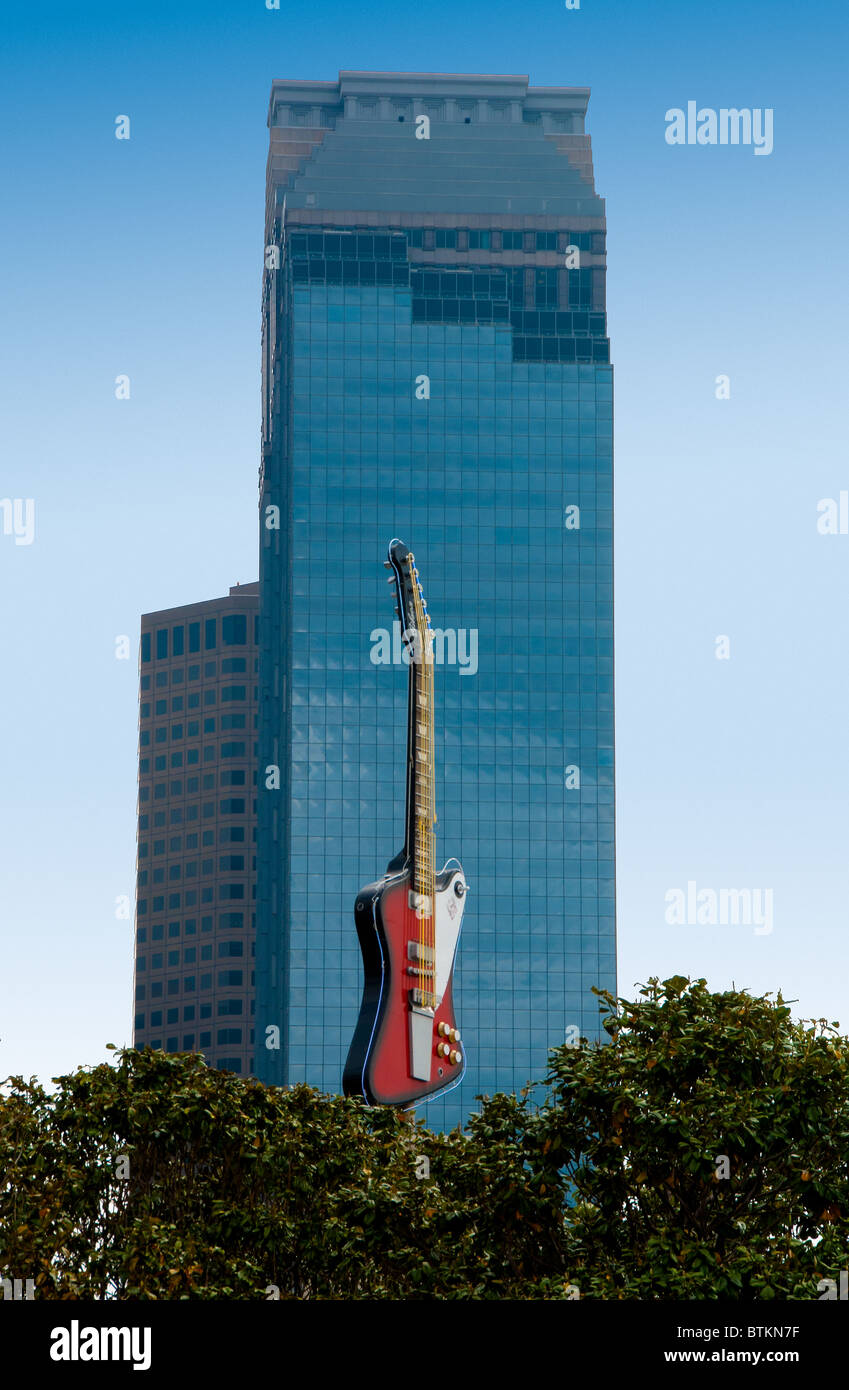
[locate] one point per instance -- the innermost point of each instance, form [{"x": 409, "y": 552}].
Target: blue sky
[{"x": 144, "y": 257}]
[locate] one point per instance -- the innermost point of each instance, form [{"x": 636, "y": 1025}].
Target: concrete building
[{"x": 196, "y": 868}]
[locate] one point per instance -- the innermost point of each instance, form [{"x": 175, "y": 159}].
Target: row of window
[
  {"x": 173, "y": 642},
  {"x": 481, "y": 239},
  {"x": 227, "y": 892},
  {"x": 225, "y": 1006},
  {"x": 189, "y": 1016},
  {"x": 230, "y": 806},
  {"x": 228, "y": 834},
  {"x": 393, "y": 247},
  {"x": 232, "y": 863},
  {"x": 228, "y": 693},
  {"x": 231, "y": 665},
  {"x": 192, "y": 728},
  {"x": 234, "y": 778},
  {"x": 190, "y": 956},
  {"x": 228, "y": 749},
  {"x": 227, "y": 921},
  {"x": 466, "y": 284},
  {"x": 190, "y": 897},
  {"x": 178, "y": 704},
  {"x": 539, "y": 349}
]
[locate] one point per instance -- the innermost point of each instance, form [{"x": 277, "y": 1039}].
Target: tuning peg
[
  {"x": 387, "y": 565},
  {"x": 397, "y": 611},
  {"x": 391, "y": 579}
]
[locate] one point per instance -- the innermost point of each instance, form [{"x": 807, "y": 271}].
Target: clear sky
[{"x": 143, "y": 257}]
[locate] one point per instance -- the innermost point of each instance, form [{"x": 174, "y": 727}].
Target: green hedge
[{"x": 160, "y": 1178}]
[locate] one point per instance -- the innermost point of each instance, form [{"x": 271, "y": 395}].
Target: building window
[
  {"x": 161, "y": 643},
  {"x": 145, "y": 646},
  {"x": 234, "y": 630},
  {"x": 209, "y": 634},
  {"x": 177, "y": 635}
]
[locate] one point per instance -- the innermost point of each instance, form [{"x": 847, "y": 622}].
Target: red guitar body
[{"x": 380, "y": 1065}]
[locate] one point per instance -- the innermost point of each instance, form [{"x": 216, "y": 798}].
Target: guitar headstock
[{"x": 410, "y": 604}]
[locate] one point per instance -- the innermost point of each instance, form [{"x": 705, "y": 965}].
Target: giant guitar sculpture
[{"x": 406, "y": 1047}]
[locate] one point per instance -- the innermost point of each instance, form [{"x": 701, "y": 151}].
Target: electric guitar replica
[{"x": 406, "y": 1047}]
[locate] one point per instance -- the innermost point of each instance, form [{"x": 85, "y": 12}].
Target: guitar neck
[{"x": 421, "y": 803}]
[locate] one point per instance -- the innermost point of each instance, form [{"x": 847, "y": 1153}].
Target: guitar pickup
[
  {"x": 420, "y": 902},
  {"x": 423, "y": 999},
  {"x": 416, "y": 951}
]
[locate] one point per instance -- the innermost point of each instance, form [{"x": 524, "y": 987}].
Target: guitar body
[{"x": 402, "y": 1053}]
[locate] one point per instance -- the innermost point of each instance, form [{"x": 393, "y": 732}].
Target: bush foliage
[{"x": 159, "y": 1178}]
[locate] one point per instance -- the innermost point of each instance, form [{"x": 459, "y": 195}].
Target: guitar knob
[
  {"x": 455, "y": 1057},
  {"x": 443, "y": 1030},
  {"x": 454, "y": 1034},
  {"x": 442, "y": 1049}
]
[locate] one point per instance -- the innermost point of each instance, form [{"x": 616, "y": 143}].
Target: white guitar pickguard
[{"x": 449, "y": 916}]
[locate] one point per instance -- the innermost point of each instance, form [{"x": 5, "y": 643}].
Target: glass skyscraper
[{"x": 436, "y": 367}]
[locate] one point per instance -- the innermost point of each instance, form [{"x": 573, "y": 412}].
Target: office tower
[
  {"x": 436, "y": 367},
  {"x": 196, "y": 882}
]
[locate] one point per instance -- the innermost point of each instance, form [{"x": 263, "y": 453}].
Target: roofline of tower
[{"x": 500, "y": 86}]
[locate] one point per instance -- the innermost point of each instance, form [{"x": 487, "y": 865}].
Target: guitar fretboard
[{"x": 423, "y": 793}]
